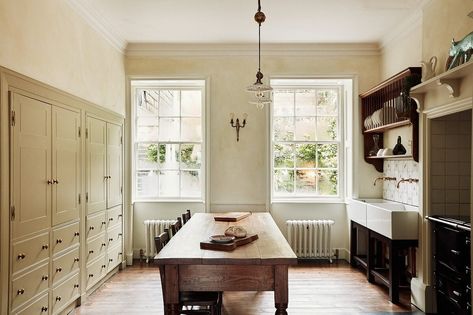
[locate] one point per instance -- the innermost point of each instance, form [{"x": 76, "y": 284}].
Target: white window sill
[
  {"x": 168, "y": 201},
  {"x": 309, "y": 200}
]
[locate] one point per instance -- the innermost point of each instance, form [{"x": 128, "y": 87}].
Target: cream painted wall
[
  {"x": 59, "y": 48},
  {"x": 238, "y": 170}
]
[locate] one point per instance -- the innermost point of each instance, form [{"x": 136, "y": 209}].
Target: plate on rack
[{"x": 222, "y": 239}]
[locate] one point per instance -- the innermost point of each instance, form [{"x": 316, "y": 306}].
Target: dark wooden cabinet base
[{"x": 381, "y": 257}]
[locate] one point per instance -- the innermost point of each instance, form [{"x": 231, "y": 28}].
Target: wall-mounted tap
[
  {"x": 409, "y": 180},
  {"x": 383, "y": 178}
]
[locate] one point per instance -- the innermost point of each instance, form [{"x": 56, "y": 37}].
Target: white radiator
[
  {"x": 311, "y": 238},
  {"x": 152, "y": 229}
]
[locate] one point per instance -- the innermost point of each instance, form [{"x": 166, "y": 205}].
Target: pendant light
[{"x": 260, "y": 90}]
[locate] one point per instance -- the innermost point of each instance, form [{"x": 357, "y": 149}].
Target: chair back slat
[{"x": 186, "y": 216}]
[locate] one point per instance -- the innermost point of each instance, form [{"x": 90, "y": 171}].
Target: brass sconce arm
[
  {"x": 236, "y": 124},
  {"x": 383, "y": 178}
]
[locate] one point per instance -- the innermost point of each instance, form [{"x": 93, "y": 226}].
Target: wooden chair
[
  {"x": 209, "y": 303},
  {"x": 186, "y": 216},
  {"x": 176, "y": 226}
]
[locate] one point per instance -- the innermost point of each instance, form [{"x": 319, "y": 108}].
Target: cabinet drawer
[
  {"x": 65, "y": 237},
  {"x": 38, "y": 307},
  {"x": 452, "y": 288},
  {"x": 95, "y": 271},
  {"x": 114, "y": 216},
  {"x": 114, "y": 236},
  {"x": 65, "y": 293},
  {"x": 96, "y": 224},
  {"x": 451, "y": 248},
  {"x": 30, "y": 251},
  {"x": 29, "y": 285},
  {"x": 114, "y": 257},
  {"x": 64, "y": 265},
  {"x": 96, "y": 247}
]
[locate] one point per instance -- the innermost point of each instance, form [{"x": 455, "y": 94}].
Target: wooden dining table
[{"x": 258, "y": 266}]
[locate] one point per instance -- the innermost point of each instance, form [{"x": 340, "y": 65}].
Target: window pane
[
  {"x": 283, "y": 129},
  {"x": 147, "y": 156},
  {"x": 191, "y": 103},
  {"x": 169, "y": 103},
  {"x": 283, "y": 155},
  {"x": 327, "y": 128},
  {"x": 305, "y": 103},
  {"x": 305, "y": 155},
  {"x": 146, "y": 184},
  {"x": 305, "y": 129},
  {"x": 190, "y": 184},
  {"x": 191, "y": 156},
  {"x": 169, "y": 129},
  {"x": 284, "y": 182},
  {"x": 283, "y": 103},
  {"x": 191, "y": 129},
  {"x": 147, "y": 103},
  {"x": 168, "y": 156},
  {"x": 327, "y": 102},
  {"x": 327, "y": 155},
  {"x": 147, "y": 128},
  {"x": 305, "y": 181},
  {"x": 328, "y": 183},
  {"x": 169, "y": 184}
]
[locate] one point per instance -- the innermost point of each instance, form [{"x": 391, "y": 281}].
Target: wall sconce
[{"x": 236, "y": 124}]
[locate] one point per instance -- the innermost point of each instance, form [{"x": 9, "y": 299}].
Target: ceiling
[{"x": 231, "y": 21}]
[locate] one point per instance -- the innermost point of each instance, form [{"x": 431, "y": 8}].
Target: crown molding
[
  {"x": 158, "y": 50},
  {"x": 96, "y": 21}
]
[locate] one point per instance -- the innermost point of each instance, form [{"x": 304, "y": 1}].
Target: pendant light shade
[{"x": 261, "y": 91}]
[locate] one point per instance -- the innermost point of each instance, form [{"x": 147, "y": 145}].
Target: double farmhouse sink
[{"x": 394, "y": 220}]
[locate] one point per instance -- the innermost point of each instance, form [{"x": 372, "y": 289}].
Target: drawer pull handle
[
  {"x": 46, "y": 246},
  {"x": 91, "y": 275},
  {"x": 103, "y": 222},
  {"x": 103, "y": 244},
  {"x": 120, "y": 215},
  {"x": 76, "y": 259},
  {"x": 59, "y": 269},
  {"x": 455, "y": 252},
  {"x": 110, "y": 260},
  {"x": 91, "y": 251},
  {"x": 21, "y": 256},
  {"x": 20, "y": 292},
  {"x": 44, "y": 309},
  {"x": 58, "y": 241},
  {"x": 110, "y": 239},
  {"x": 119, "y": 254},
  {"x": 111, "y": 219},
  {"x": 58, "y": 298},
  {"x": 44, "y": 278},
  {"x": 49, "y": 182},
  {"x": 456, "y": 293},
  {"x": 120, "y": 234},
  {"x": 104, "y": 266},
  {"x": 91, "y": 228},
  {"x": 76, "y": 285},
  {"x": 55, "y": 181},
  {"x": 76, "y": 233}
]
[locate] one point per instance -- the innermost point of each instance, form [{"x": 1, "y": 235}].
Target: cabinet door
[
  {"x": 96, "y": 164},
  {"x": 66, "y": 164},
  {"x": 30, "y": 165},
  {"x": 114, "y": 165}
]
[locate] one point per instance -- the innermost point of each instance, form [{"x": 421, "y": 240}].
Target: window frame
[
  {"x": 300, "y": 84},
  {"x": 181, "y": 84}
]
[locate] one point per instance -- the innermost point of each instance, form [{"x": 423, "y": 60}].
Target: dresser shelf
[{"x": 391, "y": 157}]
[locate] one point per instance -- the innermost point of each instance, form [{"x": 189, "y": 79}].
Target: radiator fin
[
  {"x": 311, "y": 238},
  {"x": 152, "y": 229}
]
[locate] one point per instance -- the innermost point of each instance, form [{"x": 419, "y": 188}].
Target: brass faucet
[
  {"x": 383, "y": 178},
  {"x": 409, "y": 180}
]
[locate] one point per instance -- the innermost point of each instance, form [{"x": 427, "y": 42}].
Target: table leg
[
  {"x": 171, "y": 287},
  {"x": 281, "y": 289},
  {"x": 394, "y": 273}
]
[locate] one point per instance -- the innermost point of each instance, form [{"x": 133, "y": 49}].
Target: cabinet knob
[
  {"x": 49, "y": 182},
  {"x": 76, "y": 259},
  {"x": 104, "y": 266},
  {"x": 55, "y": 181},
  {"x": 76, "y": 233},
  {"x": 21, "y": 256},
  {"x": 91, "y": 275},
  {"x": 119, "y": 254},
  {"x": 91, "y": 251},
  {"x": 44, "y": 309},
  {"x": 111, "y": 219},
  {"x": 110, "y": 239},
  {"x": 58, "y": 298},
  {"x": 103, "y": 244},
  {"x": 44, "y": 278},
  {"x": 76, "y": 285},
  {"x": 20, "y": 292},
  {"x": 59, "y": 269},
  {"x": 91, "y": 228},
  {"x": 45, "y": 246},
  {"x": 58, "y": 241},
  {"x": 103, "y": 222},
  {"x": 110, "y": 260}
]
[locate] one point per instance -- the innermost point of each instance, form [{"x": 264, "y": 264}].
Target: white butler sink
[{"x": 396, "y": 221}]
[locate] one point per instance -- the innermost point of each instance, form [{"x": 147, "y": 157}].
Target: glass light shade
[{"x": 261, "y": 92}]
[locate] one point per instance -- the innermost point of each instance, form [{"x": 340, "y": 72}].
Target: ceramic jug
[{"x": 428, "y": 68}]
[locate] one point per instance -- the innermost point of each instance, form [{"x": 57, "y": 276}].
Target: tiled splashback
[{"x": 407, "y": 193}]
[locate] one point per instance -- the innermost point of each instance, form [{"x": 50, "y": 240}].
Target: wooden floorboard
[{"x": 313, "y": 289}]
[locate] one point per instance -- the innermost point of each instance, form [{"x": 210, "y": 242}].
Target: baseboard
[{"x": 422, "y": 296}]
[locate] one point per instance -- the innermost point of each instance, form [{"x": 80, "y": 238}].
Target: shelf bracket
[
  {"x": 419, "y": 99},
  {"x": 452, "y": 85}
]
